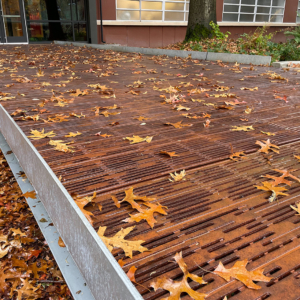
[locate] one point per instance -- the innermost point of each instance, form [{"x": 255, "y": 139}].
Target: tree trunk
[
  {"x": 200, "y": 15},
  {"x": 56, "y": 31}
]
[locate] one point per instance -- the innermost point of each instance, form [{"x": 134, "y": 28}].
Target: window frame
[
  {"x": 163, "y": 10},
  {"x": 239, "y": 13}
]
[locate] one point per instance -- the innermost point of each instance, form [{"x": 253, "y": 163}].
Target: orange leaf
[
  {"x": 131, "y": 273},
  {"x": 121, "y": 262},
  {"x": 176, "y": 288},
  {"x": 170, "y": 154},
  {"x": 61, "y": 242},
  {"x": 31, "y": 195},
  {"x": 266, "y": 146},
  {"x": 239, "y": 272}
]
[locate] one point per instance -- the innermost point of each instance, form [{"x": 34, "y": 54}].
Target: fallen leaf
[
  {"x": 248, "y": 110},
  {"x": 281, "y": 179},
  {"x": 180, "y": 107},
  {"x": 235, "y": 156},
  {"x": 121, "y": 262},
  {"x": 137, "y": 139},
  {"x": 176, "y": 288},
  {"x": 249, "y": 89},
  {"x": 178, "y": 124},
  {"x": 61, "y": 146},
  {"x": 118, "y": 241},
  {"x": 276, "y": 190},
  {"x": 178, "y": 177},
  {"x": 266, "y": 146},
  {"x": 31, "y": 195},
  {"x": 242, "y": 128},
  {"x": 131, "y": 273},
  {"x": 105, "y": 135},
  {"x": 147, "y": 214},
  {"x": 239, "y": 272},
  {"x": 73, "y": 134},
  {"x": 61, "y": 242},
  {"x": 268, "y": 133},
  {"x": 170, "y": 154},
  {"x": 207, "y": 123}
]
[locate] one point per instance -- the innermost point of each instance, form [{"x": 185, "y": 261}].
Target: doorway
[{"x": 12, "y": 22}]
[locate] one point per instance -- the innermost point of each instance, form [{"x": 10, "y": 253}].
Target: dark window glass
[
  {"x": 80, "y": 32},
  {"x": 50, "y": 31},
  {"x": 81, "y": 10},
  {"x": 63, "y": 8}
]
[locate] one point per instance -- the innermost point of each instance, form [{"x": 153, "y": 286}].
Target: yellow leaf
[
  {"x": 61, "y": 146},
  {"x": 73, "y": 134},
  {"x": 178, "y": 177},
  {"x": 297, "y": 209},
  {"x": 36, "y": 135},
  {"x": 276, "y": 190},
  {"x": 242, "y": 128},
  {"x": 137, "y": 139},
  {"x": 267, "y": 133},
  {"x": 118, "y": 241}
]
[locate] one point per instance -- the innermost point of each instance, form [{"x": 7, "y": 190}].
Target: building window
[
  {"x": 49, "y": 20},
  {"x": 253, "y": 10},
  {"x": 152, "y": 10}
]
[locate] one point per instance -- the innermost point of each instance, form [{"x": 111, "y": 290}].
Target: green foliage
[
  {"x": 295, "y": 33},
  {"x": 258, "y": 40},
  {"x": 217, "y": 32},
  {"x": 199, "y": 32}
]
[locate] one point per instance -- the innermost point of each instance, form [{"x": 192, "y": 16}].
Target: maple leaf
[
  {"x": 131, "y": 273},
  {"x": 58, "y": 118},
  {"x": 33, "y": 117},
  {"x": 36, "y": 135},
  {"x": 73, "y": 134},
  {"x": 147, "y": 214},
  {"x": 31, "y": 195},
  {"x": 239, "y": 272},
  {"x": 235, "y": 156},
  {"x": 180, "y": 107},
  {"x": 170, "y": 154},
  {"x": 176, "y": 288},
  {"x": 178, "y": 124},
  {"x": 266, "y": 146},
  {"x": 118, "y": 241},
  {"x": 61, "y": 146},
  {"x": 276, "y": 190},
  {"x": 137, "y": 139},
  {"x": 178, "y": 177},
  {"x": 268, "y": 133},
  {"x": 242, "y": 128}
]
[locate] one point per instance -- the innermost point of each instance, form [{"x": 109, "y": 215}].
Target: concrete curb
[
  {"x": 104, "y": 276},
  {"x": 73, "y": 277},
  {"x": 286, "y": 64},
  {"x": 225, "y": 57}
]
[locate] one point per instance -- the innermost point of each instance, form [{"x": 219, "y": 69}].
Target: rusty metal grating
[{"x": 216, "y": 214}]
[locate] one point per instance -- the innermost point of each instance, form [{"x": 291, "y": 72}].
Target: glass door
[{"x": 12, "y": 22}]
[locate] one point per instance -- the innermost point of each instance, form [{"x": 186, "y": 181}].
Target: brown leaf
[
  {"x": 170, "y": 154},
  {"x": 147, "y": 214},
  {"x": 31, "y": 195},
  {"x": 239, "y": 272},
  {"x": 178, "y": 177},
  {"x": 176, "y": 288},
  {"x": 266, "y": 146},
  {"x": 131, "y": 273},
  {"x": 235, "y": 156},
  {"x": 267, "y": 186},
  {"x": 178, "y": 124},
  {"x": 281, "y": 179},
  {"x": 118, "y": 241},
  {"x": 61, "y": 243}
]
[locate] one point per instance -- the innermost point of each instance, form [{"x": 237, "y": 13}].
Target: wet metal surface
[{"x": 216, "y": 214}]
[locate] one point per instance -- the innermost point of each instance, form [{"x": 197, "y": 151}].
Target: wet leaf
[
  {"x": 31, "y": 195},
  {"x": 170, "y": 154},
  {"x": 239, "y": 272},
  {"x": 275, "y": 190},
  {"x": 242, "y": 128},
  {"x": 176, "y": 288},
  {"x": 73, "y": 134},
  {"x": 131, "y": 273},
  {"x": 147, "y": 214},
  {"x": 61, "y": 146},
  {"x": 266, "y": 146},
  {"x": 178, "y": 124},
  {"x": 268, "y": 133},
  {"x": 118, "y": 241},
  {"x": 178, "y": 177},
  {"x": 137, "y": 139}
]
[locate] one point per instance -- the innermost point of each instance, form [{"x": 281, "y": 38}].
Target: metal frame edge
[{"x": 105, "y": 277}]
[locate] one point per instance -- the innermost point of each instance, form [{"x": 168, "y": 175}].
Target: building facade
[{"x": 144, "y": 23}]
